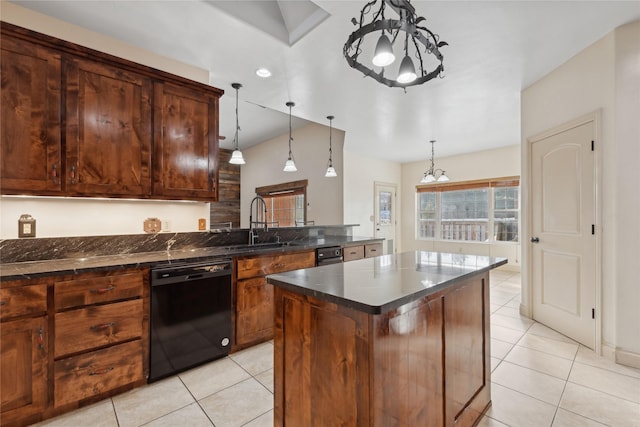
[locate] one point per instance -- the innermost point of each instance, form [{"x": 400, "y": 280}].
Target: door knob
[{"x": 535, "y": 240}]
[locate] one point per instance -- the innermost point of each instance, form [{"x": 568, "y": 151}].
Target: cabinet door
[
  {"x": 186, "y": 144},
  {"x": 23, "y": 358},
  {"x": 108, "y": 130},
  {"x": 254, "y": 320},
  {"x": 30, "y": 124}
]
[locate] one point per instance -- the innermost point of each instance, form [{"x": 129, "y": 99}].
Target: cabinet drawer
[
  {"x": 23, "y": 300},
  {"x": 93, "y": 327},
  {"x": 372, "y": 249},
  {"x": 351, "y": 253},
  {"x": 79, "y": 292},
  {"x": 269, "y": 264},
  {"x": 80, "y": 377}
]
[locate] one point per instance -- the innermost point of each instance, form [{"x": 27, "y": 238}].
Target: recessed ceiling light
[{"x": 263, "y": 72}]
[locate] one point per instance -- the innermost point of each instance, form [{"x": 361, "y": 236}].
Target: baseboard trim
[
  {"x": 627, "y": 358},
  {"x": 524, "y": 310}
]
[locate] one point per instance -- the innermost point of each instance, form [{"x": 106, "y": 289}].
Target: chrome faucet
[{"x": 261, "y": 218}]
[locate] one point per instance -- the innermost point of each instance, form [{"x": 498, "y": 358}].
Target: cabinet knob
[
  {"x": 54, "y": 173},
  {"x": 102, "y": 290},
  {"x": 72, "y": 174},
  {"x": 102, "y": 326},
  {"x": 101, "y": 371},
  {"x": 40, "y": 338}
]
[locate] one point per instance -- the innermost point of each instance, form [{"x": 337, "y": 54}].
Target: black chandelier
[{"x": 417, "y": 39}]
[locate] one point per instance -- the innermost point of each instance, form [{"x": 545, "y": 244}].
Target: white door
[
  {"x": 385, "y": 215},
  {"x": 563, "y": 244}
]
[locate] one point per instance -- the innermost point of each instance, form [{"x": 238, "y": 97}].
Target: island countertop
[{"x": 377, "y": 285}]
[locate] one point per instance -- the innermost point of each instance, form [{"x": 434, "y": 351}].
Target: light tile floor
[{"x": 540, "y": 378}]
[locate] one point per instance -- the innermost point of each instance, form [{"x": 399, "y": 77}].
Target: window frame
[
  {"x": 292, "y": 188},
  {"x": 490, "y": 184}
]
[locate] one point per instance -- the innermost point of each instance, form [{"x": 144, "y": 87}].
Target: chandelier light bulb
[
  {"x": 383, "y": 55},
  {"x": 407, "y": 72}
]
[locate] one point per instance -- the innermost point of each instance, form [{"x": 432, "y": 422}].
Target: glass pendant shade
[
  {"x": 236, "y": 158},
  {"x": 407, "y": 72},
  {"x": 331, "y": 172},
  {"x": 290, "y": 166},
  {"x": 443, "y": 178},
  {"x": 383, "y": 55},
  {"x": 427, "y": 178}
]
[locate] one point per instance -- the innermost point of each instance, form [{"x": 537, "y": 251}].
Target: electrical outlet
[
  {"x": 26, "y": 226},
  {"x": 166, "y": 225},
  {"x": 202, "y": 224}
]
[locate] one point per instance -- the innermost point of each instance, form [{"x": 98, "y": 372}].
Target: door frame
[
  {"x": 596, "y": 118},
  {"x": 396, "y": 212}
]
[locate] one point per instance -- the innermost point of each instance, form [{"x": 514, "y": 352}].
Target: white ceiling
[{"x": 496, "y": 48}]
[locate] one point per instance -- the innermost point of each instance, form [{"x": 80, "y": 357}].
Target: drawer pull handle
[
  {"x": 373, "y": 250},
  {"x": 352, "y": 253},
  {"x": 40, "y": 338},
  {"x": 102, "y": 326},
  {"x": 279, "y": 265},
  {"x": 101, "y": 371},
  {"x": 102, "y": 290}
]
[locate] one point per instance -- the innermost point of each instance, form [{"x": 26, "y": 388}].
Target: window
[
  {"x": 481, "y": 211},
  {"x": 286, "y": 203}
]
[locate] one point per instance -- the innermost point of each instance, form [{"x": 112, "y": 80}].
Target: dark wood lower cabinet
[
  {"x": 23, "y": 356},
  {"x": 425, "y": 363}
]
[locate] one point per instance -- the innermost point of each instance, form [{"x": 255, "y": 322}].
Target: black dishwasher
[{"x": 190, "y": 316}]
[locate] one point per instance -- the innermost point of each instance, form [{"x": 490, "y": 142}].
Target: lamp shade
[
  {"x": 407, "y": 72},
  {"x": 236, "y": 158},
  {"x": 383, "y": 55},
  {"x": 427, "y": 178},
  {"x": 443, "y": 178},
  {"x": 290, "y": 166},
  {"x": 331, "y": 172}
]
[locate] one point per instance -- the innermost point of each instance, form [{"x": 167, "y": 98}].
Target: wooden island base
[{"x": 425, "y": 363}]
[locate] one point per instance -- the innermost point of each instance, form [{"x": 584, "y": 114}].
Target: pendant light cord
[{"x": 290, "y": 104}]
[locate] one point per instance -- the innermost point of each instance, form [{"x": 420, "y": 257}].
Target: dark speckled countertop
[
  {"x": 377, "y": 285},
  {"x": 32, "y": 269}
]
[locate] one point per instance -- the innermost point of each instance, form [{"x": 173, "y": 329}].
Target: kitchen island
[{"x": 395, "y": 340}]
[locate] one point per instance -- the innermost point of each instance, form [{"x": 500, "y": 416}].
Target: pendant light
[
  {"x": 331, "y": 172},
  {"x": 290, "y": 165},
  {"x": 236, "y": 156},
  {"x": 432, "y": 174}
]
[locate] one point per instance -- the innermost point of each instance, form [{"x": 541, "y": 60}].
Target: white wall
[
  {"x": 360, "y": 175},
  {"x": 63, "y": 217},
  {"x": 602, "y": 77},
  {"x": 310, "y": 149},
  {"x": 627, "y": 159},
  {"x": 479, "y": 165}
]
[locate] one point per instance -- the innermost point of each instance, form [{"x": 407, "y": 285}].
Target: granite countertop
[
  {"x": 377, "y": 285},
  {"x": 32, "y": 269}
]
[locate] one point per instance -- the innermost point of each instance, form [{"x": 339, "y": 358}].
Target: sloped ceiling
[{"x": 496, "y": 48}]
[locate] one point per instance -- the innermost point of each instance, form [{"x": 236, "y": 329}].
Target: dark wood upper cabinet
[
  {"x": 186, "y": 143},
  {"x": 30, "y": 156},
  {"x": 108, "y": 130},
  {"x": 78, "y": 122}
]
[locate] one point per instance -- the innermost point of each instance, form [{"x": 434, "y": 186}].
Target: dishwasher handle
[{"x": 185, "y": 274}]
